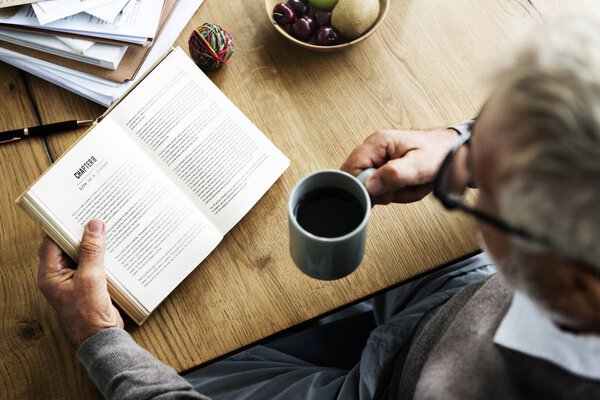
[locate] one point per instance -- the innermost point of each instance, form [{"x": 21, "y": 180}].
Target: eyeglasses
[{"x": 451, "y": 185}]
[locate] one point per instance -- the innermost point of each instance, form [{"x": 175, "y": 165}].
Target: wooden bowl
[{"x": 383, "y": 9}]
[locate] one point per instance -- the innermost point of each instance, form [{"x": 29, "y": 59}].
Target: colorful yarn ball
[{"x": 210, "y": 46}]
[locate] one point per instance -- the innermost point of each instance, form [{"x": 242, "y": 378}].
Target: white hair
[{"x": 551, "y": 91}]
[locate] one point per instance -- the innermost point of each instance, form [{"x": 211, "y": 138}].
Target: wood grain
[
  {"x": 36, "y": 361},
  {"x": 53, "y": 105},
  {"x": 414, "y": 72},
  {"x": 425, "y": 67}
]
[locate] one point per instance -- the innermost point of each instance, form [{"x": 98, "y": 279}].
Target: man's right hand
[
  {"x": 406, "y": 162},
  {"x": 79, "y": 296}
]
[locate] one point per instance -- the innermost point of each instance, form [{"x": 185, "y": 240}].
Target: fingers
[
  {"x": 50, "y": 256},
  {"x": 91, "y": 250},
  {"x": 413, "y": 193},
  {"x": 80, "y": 297},
  {"x": 406, "y": 163},
  {"x": 405, "y": 195},
  {"x": 397, "y": 174},
  {"x": 377, "y": 149},
  {"x": 363, "y": 157},
  {"x": 52, "y": 262}
]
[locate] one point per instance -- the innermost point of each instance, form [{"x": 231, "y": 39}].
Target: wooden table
[{"x": 425, "y": 67}]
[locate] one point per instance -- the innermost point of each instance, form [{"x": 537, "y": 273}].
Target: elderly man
[{"x": 532, "y": 331}]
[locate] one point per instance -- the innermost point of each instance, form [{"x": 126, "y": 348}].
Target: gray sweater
[
  {"x": 123, "y": 370},
  {"x": 452, "y": 356}
]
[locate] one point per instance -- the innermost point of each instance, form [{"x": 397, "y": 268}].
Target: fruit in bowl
[
  {"x": 327, "y": 36},
  {"x": 300, "y": 6},
  {"x": 326, "y": 25},
  {"x": 354, "y": 17},
  {"x": 323, "y": 18},
  {"x": 323, "y": 4},
  {"x": 304, "y": 28},
  {"x": 284, "y": 14}
]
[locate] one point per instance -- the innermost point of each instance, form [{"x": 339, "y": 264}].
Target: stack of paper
[{"x": 95, "y": 48}]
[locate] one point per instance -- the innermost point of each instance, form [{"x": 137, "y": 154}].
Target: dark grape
[
  {"x": 303, "y": 28},
  {"x": 299, "y": 6},
  {"x": 284, "y": 14},
  {"x": 327, "y": 36},
  {"x": 323, "y": 18}
]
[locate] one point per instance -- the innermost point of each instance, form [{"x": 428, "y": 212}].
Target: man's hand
[
  {"x": 79, "y": 296},
  {"x": 406, "y": 163}
]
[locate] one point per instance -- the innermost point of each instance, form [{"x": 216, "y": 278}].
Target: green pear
[{"x": 354, "y": 17}]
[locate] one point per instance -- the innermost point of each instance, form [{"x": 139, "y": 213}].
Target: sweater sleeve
[{"x": 121, "y": 369}]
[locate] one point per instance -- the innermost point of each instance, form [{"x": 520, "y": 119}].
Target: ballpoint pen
[{"x": 18, "y": 134}]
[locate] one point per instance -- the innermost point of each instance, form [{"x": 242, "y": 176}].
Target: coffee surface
[{"x": 329, "y": 212}]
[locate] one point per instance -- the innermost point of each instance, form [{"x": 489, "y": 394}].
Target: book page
[
  {"x": 200, "y": 139},
  {"x": 155, "y": 235}
]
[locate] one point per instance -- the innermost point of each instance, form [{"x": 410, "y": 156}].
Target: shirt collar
[{"x": 528, "y": 329}]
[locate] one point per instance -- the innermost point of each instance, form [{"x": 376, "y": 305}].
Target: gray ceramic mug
[{"x": 321, "y": 252}]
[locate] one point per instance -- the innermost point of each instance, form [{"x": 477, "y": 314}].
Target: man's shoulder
[
  {"x": 492, "y": 293},
  {"x": 464, "y": 362}
]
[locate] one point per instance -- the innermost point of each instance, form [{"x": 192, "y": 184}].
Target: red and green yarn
[{"x": 210, "y": 46}]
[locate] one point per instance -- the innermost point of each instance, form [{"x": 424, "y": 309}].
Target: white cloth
[{"x": 528, "y": 329}]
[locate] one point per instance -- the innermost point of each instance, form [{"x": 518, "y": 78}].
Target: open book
[{"x": 170, "y": 169}]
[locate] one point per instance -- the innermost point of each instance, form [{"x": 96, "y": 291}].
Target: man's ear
[
  {"x": 569, "y": 291},
  {"x": 584, "y": 291},
  {"x": 586, "y": 282}
]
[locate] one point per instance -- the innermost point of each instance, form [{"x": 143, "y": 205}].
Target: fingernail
[
  {"x": 374, "y": 185},
  {"x": 96, "y": 227}
]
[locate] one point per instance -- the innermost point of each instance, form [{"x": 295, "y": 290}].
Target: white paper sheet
[
  {"x": 80, "y": 46},
  {"x": 64, "y": 8},
  {"x": 99, "y": 54},
  {"x": 48, "y": 4},
  {"x": 136, "y": 26},
  {"x": 110, "y": 11},
  {"x": 97, "y": 89}
]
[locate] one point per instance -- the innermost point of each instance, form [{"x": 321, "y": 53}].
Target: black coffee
[{"x": 329, "y": 212}]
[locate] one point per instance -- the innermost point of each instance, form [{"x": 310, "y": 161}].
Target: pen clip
[{"x": 10, "y": 140}]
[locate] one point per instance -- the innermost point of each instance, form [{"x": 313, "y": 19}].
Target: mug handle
[{"x": 365, "y": 174}]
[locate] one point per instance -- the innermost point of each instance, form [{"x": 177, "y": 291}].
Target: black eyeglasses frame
[{"x": 451, "y": 203}]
